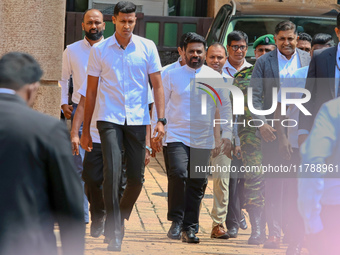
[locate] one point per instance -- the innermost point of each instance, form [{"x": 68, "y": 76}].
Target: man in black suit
[
  {"x": 39, "y": 184},
  {"x": 322, "y": 82}
]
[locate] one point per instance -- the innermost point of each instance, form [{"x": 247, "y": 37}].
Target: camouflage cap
[{"x": 264, "y": 40}]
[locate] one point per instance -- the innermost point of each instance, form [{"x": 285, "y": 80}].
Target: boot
[{"x": 258, "y": 226}]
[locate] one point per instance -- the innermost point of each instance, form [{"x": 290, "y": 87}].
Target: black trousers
[
  {"x": 235, "y": 195},
  {"x": 292, "y": 222},
  {"x": 185, "y": 186},
  {"x": 93, "y": 178},
  {"x": 273, "y": 188},
  {"x": 114, "y": 137}
]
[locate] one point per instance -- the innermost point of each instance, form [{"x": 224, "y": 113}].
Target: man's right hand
[
  {"x": 267, "y": 132},
  {"x": 75, "y": 144},
  {"x": 67, "y": 109},
  {"x": 86, "y": 141}
]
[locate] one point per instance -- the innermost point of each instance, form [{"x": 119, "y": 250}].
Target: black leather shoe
[
  {"x": 258, "y": 226},
  {"x": 243, "y": 223},
  {"x": 175, "y": 230},
  {"x": 115, "y": 245},
  {"x": 97, "y": 228},
  {"x": 189, "y": 236},
  {"x": 232, "y": 232},
  {"x": 294, "y": 249}
]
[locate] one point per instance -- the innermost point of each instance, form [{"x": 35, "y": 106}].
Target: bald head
[
  {"x": 216, "y": 56},
  {"x": 93, "y": 25}
]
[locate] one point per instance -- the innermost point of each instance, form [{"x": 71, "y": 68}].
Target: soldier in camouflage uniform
[{"x": 251, "y": 150}]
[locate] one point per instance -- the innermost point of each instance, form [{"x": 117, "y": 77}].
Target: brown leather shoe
[
  {"x": 219, "y": 232},
  {"x": 272, "y": 242}
]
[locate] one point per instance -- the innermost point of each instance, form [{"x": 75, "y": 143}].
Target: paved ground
[{"x": 146, "y": 230}]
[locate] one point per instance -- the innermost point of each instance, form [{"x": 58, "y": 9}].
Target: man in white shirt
[
  {"x": 216, "y": 58},
  {"x": 93, "y": 164},
  {"x": 269, "y": 70},
  {"x": 118, "y": 70},
  {"x": 289, "y": 148},
  {"x": 237, "y": 46},
  {"x": 189, "y": 135},
  {"x": 319, "y": 185},
  {"x": 75, "y": 58},
  {"x": 175, "y": 229}
]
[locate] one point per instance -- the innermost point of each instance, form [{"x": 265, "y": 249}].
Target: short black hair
[
  {"x": 338, "y": 21},
  {"x": 193, "y": 37},
  {"x": 237, "y": 35},
  {"x": 305, "y": 37},
  {"x": 322, "y": 38},
  {"x": 285, "y": 26},
  {"x": 218, "y": 44},
  {"x": 183, "y": 38},
  {"x": 90, "y": 10},
  {"x": 124, "y": 7},
  {"x": 18, "y": 69}
]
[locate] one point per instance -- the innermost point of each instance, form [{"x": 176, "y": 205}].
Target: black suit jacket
[
  {"x": 38, "y": 184},
  {"x": 321, "y": 84}
]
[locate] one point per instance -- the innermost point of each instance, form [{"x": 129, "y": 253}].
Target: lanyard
[{"x": 231, "y": 74}]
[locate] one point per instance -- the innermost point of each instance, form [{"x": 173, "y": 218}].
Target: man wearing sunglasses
[{"x": 237, "y": 46}]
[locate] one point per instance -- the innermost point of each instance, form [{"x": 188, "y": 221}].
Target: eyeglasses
[{"x": 236, "y": 47}]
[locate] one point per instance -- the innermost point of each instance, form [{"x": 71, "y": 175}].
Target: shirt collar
[
  {"x": 7, "y": 91},
  {"x": 192, "y": 69},
  {"x": 114, "y": 40},
  {"x": 284, "y": 57},
  {"x": 86, "y": 42},
  {"x": 245, "y": 64}
]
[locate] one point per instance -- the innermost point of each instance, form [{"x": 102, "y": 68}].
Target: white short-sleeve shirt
[
  {"x": 122, "y": 90},
  {"x": 93, "y": 126}
]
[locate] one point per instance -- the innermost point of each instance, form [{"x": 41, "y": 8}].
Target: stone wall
[
  {"x": 37, "y": 27},
  {"x": 215, "y": 5}
]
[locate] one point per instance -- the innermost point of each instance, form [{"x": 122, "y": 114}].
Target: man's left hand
[
  {"x": 226, "y": 143},
  {"x": 159, "y": 130},
  {"x": 147, "y": 157}
]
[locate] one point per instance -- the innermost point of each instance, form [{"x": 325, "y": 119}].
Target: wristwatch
[
  {"x": 149, "y": 149},
  {"x": 163, "y": 120}
]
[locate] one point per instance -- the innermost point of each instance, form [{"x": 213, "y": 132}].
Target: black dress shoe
[
  {"x": 115, "y": 245},
  {"x": 232, "y": 232},
  {"x": 175, "y": 230},
  {"x": 189, "y": 236},
  {"x": 294, "y": 249},
  {"x": 97, "y": 228}
]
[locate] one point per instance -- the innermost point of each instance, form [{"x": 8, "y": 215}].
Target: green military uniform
[
  {"x": 251, "y": 148},
  {"x": 252, "y": 156}
]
